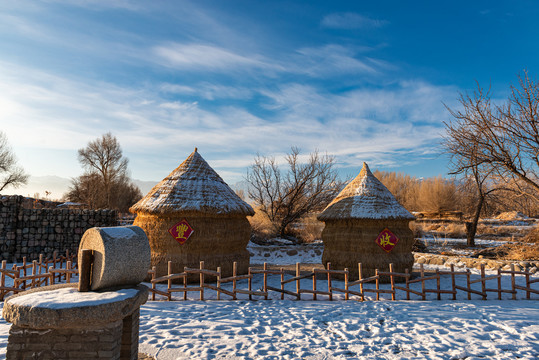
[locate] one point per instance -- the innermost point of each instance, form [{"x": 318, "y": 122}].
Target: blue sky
[{"x": 361, "y": 80}]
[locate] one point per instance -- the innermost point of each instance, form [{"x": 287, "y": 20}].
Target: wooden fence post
[
  {"x": 453, "y": 283},
  {"x": 234, "y": 270},
  {"x": 513, "y": 283},
  {"x": 201, "y": 281},
  {"x": 153, "y": 284},
  {"x": 360, "y": 275},
  {"x": 265, "y": 281},
  {"x": 330, "y": 289},
  {"x": 219, "y": 282},
  {"x": 392, "y": 280},
  {"x": 347, "y": 295},
  {"x": 407, "y": 284},
  {"x": 298, "y": 286},
  {"x": 282, "y": 285}
]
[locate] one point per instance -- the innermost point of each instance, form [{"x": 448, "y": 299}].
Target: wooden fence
[
  {"x": 37, "y": 273},
  {"x": 352, "y": 289},
  {"x": 44, "y": 272}
]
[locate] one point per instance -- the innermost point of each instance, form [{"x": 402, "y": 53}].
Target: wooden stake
[
  {"x": 422, "y": 272},
  {"x": 68, "y": 274},
  {"x": 377, "y": 284},
  {"x": 249, "y": 282},
  {"x": 439, "y": 295},
  {"x": 314, "y": 284},
  {"x": 201, "y": 281},
  {"x": 392, "y": 280},
  {"x": 265, "y": 281},
  {"x": 407, "y": 284},
  {"x": 184, "y": 284},
  {"x": 282, "y": 285},
  {"x": 499, "y": 284},
  {"x": 347, "y": 295},
  {"x": 528, "y": 285},
  {"x": 234, "y": 269},
  {"x": 513, "y": 282},
  {"x": 360, "y": 273},
  {"x": 153, "y": 284},
  {"x": 330, "y": 290},
  {"x": 483, "y": 285},
  {"x": 468, "y": 283},
  {"x": 298, "y": 281},
  {"x": 453, "y": 283},
  {"x": 219, "y": 282}
]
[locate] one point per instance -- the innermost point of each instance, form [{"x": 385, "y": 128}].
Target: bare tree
[
  {"x": 496, "y": 143},
  {"x": 106, "y": 183},
  {"x": 105, "y": 157},
  {"x": 303, "y": 188},
  {"x": 11, "y": 174},
  {"x": 505, "y": 136}
]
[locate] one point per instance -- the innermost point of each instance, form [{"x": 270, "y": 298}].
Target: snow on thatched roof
[
  {"x": 365, "y": 198},
  {"x": 192, "y": 186}
]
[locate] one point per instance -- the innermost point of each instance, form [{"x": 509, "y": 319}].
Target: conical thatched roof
[
  {"x": 365, "y": 198},
  {"x": 192, "y": 187}
]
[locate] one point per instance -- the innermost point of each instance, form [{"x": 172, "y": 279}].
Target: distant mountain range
[{"x": 54, "y": 187}]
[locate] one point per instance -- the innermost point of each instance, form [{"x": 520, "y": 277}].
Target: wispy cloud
[
  {"x": 208, "y": 91},
  {"x": 205, "y": 57},
  {"x": 388, "y": 125},
  {"x": 350, "y": 20}
]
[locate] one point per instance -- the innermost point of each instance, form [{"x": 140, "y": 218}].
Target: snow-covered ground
[
  {"x": 289, "y": 329},
  {"x": 341, "y": 330}
]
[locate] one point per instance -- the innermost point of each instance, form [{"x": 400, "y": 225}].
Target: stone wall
[
  {"x": 30, "y": 232},
  {"x": 85, "y": 343}
]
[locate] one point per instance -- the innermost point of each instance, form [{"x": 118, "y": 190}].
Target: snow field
[{"x": 341, "y": 330}]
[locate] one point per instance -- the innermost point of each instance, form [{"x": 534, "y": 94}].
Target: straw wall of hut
[
  {"x": 355, "y": 220},
  {"x": 195, "y": 196}
]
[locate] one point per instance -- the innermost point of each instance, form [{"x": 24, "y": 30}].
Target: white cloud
[
  {"x": 349, "y": 20},
  {"x": 205, "y": 57},
  {"x": 209, "y": 91},
  {"x": 391, "y": 125}
]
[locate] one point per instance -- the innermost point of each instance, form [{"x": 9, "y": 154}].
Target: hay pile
[
  {"x": 356, "y": 217},
  {"x": 196, "y": 193}
]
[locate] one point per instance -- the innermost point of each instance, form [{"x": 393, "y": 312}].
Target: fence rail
[
  {"x": 36, "y": 273},
  {"x": 352, "y": 289}
]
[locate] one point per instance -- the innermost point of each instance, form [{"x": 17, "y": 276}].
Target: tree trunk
[{"x": 471, "y": 227}]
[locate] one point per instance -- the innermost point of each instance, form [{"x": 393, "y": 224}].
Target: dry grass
[
  {"x": 262, "y": 228},
  {"x": 309, "y": 229},
  {"x": 451, "y": 230}
]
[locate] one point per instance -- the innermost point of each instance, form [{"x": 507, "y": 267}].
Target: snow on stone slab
[
  {"x": 70, "y": 297},
  {"x": 119, "y": 232}
]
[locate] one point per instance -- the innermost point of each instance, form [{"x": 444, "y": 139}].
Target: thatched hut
[
  {"x": 366, "y": 224},
  {"x": 191, "y": 216}
]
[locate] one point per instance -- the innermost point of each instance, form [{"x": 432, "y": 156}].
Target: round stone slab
[
  {"x": 122, "y": 255},
  {"x": 63, "y": 306}
]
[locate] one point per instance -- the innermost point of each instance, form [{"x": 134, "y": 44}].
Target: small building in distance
[
  {"x": 193, "y": 215},
  {"x": 366, "y": 224}
]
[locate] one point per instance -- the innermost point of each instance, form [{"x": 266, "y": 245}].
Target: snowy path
[{"x": 341, "y": 330}]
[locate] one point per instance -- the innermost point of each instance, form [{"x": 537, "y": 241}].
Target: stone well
[
  {"x": 68, "y": 321},
  {"x": 58, "y": 322}
]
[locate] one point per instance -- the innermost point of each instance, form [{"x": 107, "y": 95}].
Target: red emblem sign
[
  {"x": 181, "y": 231},
  {"x": 387, "y": 240}
]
